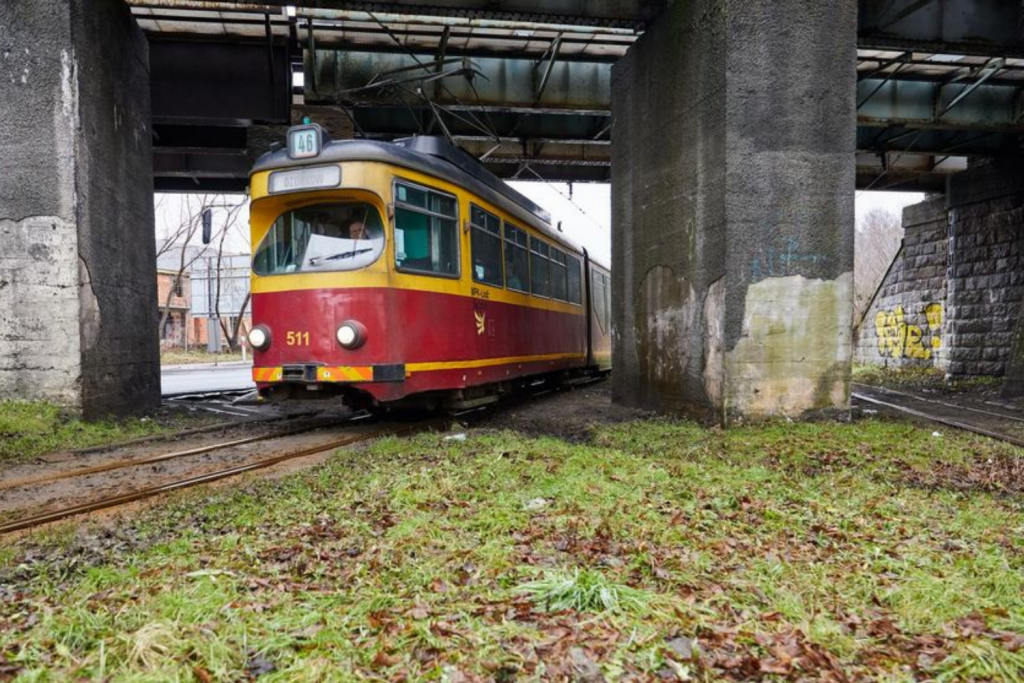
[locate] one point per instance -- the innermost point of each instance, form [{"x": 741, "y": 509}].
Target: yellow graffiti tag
[{"x": 897, "y": 339}]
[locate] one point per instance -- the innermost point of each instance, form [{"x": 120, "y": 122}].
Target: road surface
[{"x": 205, "y": 377}]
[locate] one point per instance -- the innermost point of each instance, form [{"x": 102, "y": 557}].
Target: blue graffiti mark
[{"x": 780, "y": 263}]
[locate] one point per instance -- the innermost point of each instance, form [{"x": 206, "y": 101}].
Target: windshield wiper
[{"x": 345, "y": 254}]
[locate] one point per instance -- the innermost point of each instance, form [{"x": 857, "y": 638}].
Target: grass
[
  {"x": 193, "y": 356},
  {"x": 32, "y": 428},
  {"x": 584, "y": 591},
  {"x": 661, "y": 551},
  {"x": 921, "y": 378}
]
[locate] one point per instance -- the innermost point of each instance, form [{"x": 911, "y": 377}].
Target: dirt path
[{"x": 569, "y": 415}]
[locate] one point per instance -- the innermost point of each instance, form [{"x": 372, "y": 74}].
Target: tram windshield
[{"x": 322, "y": 237}]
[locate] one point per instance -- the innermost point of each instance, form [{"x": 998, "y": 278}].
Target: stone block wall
[
  {"x": 904, "y": 325},
  {"x": 954, "y": 297},
  {"x": 986, "y": 269}
]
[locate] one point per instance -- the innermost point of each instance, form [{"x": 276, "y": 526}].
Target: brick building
[
  {"x": 205, "y": 288},
  {"x": 176, "y": 323}
]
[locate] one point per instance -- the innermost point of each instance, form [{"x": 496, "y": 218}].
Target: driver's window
[{"x": 337, "y": 236}]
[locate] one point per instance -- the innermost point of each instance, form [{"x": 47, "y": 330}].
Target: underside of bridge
[
  {"x": 527, "y": 85},
  {"x": 735, "y": 133}
]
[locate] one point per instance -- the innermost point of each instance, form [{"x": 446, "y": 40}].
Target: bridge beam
[
  {"x": 612, "y": 13},
  {"x": 77, "y": 286},
  {"x": 732, "y": 208}
]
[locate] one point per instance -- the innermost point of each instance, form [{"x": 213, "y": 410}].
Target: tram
[{"x": 406, "y": 274}]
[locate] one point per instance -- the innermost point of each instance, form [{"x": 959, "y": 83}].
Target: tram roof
[{"x": 433, "y": 156}]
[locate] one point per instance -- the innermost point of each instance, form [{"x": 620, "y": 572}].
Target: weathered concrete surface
[
  {"x": 903, "y": 326},
  {"x": 77, "y": 290},
  {"x": 732, "y": 204}
]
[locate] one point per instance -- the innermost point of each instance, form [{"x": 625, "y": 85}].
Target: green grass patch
[
  {"x": 193, "y": 356},
  {"x": 910, "y": 378},
  {"x": 584, "y": 590},
  {"x": 31, "y": 428},
  {"x": 661, "y": 551}
]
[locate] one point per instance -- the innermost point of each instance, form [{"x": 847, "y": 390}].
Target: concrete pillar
[
  {"x": 77, "y": 261},
  {"x": 732, "y": 207}
]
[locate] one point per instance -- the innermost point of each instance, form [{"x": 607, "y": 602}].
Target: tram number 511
[{"x": 297, "y": 339}]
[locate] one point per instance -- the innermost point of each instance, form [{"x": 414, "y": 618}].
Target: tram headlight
[
  {"x": 259, "y": 337},
  {"x": 351, "y": 334}
]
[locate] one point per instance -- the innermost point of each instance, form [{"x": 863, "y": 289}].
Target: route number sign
[{"x": 304, "y": 142}]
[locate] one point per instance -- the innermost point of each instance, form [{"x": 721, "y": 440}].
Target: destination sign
[{"x": 313, "y": 178}]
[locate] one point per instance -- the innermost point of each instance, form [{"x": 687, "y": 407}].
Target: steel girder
[
  {"x": 610, "y": 13},
  {"x": 542, "y": 108}
]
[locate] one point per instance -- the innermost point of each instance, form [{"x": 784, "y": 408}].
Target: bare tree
[
  {"x": 231, "y": 334},
  {"x": 878, "y": 238},
  {"x": 179, "y": 239}
]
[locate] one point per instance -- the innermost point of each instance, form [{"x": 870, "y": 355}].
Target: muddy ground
[{"x": 570, "y": 416}]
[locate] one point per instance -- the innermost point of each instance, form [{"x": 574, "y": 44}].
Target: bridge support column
[
  {"x": 77, "y": 260},
  {"x": 732, "y": 208},
  {"x": 984, "y": 327}
]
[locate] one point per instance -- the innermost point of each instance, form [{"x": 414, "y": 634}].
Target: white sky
[
  {"x": 892, "y": 201},
  {"x": 586, "y": 217}
]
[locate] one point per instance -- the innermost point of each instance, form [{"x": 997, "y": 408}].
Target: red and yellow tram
[{"x": 406, "y": 272}]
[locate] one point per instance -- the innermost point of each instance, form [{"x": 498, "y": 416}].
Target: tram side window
[
  {"x": 485, "y": 239},
  {"x": 601, "y": 299},
  {"x": 426, "y": 231},
  {"x": 540, "y": 272},
  {"x": 559, "y": 286},
  {"x": 517, "y": 260},
  {"x": 573, "y": 277}
]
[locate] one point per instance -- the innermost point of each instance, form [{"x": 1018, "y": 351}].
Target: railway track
[
  {"x": 360, "y": 433},
  {"x": 30, "y": 521},
  {"x": 163, "y": 457},
  {"x": 862, "y": 395}
]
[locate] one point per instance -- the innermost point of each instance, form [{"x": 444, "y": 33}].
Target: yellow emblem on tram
[{"x": 481, "y": 322}]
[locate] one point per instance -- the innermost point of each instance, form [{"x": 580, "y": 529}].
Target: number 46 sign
[{"x": 304, "y": 141}]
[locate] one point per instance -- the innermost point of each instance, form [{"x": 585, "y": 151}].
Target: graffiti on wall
[
  {"x": 897, "y": 339},
  {"x": 773, "y": 262}
]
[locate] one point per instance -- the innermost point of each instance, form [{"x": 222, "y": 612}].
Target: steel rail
[
  {"x": 982, "y": 411},
  {"x": 193, "y": 431},
  {"x": 123, "y": 464},
  {"x": 113, "y": 501},
  {"x": 940, "y": 420}
]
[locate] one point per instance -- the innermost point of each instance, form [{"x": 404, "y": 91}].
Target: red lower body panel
[{"x": 416, "y": 341}]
